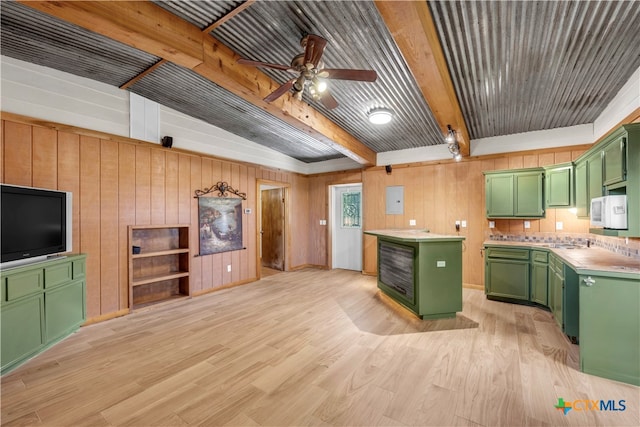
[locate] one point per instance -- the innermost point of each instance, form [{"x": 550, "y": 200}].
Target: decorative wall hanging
[
  {"x": 351, "y": 212},
  {"x": 220, "y": 219}
]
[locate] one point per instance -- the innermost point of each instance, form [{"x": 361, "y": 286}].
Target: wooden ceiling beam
[
  {"x": 412, "y": 27},
  {"x": 150, "y": 28}
]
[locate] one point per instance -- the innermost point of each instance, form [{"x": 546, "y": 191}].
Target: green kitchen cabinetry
[
  {"x": 507, "y": 273},
  {"x": 421, "y": 271},
  {"x": 612, "y": 167},
  {"x": 539, "y": 277},
  {"x": 556, "y": 287},
  {"x": 515, "y": 193},
  {"x": 610, "y": 326},
  {"x": 42, "y": 303},
  {"x": 582, "y": 189},
  {"x": 559, "y": 186},
  {"x": 563, "y": 297}
]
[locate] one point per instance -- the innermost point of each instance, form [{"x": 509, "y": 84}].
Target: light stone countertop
[
  {"x": 593, "y": 260},
  {"x": 413, "y": 235}
]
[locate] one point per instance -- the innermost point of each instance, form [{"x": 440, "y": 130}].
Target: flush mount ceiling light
[
  {"x": 451, "y": 140},
  {"x": 380, "y": 115}
]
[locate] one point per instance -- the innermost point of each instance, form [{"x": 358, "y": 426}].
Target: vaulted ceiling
[{"x": 485, "y": 68}]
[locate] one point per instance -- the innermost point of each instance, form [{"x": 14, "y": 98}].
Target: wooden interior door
[{"x": 273, "y": 228}]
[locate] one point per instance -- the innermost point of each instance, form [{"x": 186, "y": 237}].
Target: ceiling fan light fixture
[{"x": 380, "y": 116}]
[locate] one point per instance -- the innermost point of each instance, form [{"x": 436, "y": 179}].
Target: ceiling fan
[{"x": 311, "y": 73}]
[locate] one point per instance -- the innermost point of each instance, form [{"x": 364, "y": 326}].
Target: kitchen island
[{"x": 421, "y": 270}]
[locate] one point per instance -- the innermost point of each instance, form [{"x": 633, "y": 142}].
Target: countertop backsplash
[{"x": 613, "y": 244}]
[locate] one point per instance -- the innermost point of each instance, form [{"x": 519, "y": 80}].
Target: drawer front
[
  {"x": 540, "y": 256},
  {"x": 507, "y": 253},
  {"x": 58, "y": 274},
  {"x": 79, "y": 269},
  {"x": 21, "y": 284}
]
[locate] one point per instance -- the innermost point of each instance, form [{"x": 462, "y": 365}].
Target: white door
[{"x": 346, "y": 226}]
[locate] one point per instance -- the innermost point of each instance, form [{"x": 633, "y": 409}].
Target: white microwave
[{"x": 609, "y": 212}]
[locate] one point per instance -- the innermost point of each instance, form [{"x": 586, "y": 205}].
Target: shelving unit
[{"x": 161, "y": 269}]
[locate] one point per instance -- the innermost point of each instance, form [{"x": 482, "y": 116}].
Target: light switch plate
[{"x": 559, "y": 225}]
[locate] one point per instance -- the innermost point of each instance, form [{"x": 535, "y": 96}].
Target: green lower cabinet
[
  {"x": 556, "y": 286},
  {"x": 22, "y": 330},
  {"x": 539, "y": 278},
  {"x": 65, "y": 310},
  {"x": 610, "y": 327},
  {"x": 507, "y": 279},
  {"x": 41, "y": 304}
]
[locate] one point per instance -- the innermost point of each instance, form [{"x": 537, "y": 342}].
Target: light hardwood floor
[{"x": 312, "y": 347}]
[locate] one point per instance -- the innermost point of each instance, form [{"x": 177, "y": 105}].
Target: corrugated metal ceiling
[
  {"x": 521, "y": 66},
  {"x": 516, "y": 66}
]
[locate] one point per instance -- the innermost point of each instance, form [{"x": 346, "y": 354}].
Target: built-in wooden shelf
[{"x": 161, "y": 269}]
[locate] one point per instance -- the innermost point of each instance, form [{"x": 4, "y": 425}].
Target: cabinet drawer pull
[{"x": 588, "y": 281}]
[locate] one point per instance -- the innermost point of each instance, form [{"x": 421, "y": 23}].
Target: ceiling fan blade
[
  {"x": 313, "y": 50},
  {"x": 328, "y": 100},
  {"x": 346, "y": 74},
  {"x": 263, "y": 64},
  {"x": 280, "y": 91}
]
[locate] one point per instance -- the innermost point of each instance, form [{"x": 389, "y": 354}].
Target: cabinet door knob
[{"x": 588, "y": 281}]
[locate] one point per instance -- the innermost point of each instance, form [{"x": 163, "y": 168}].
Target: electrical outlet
[
  {"x": 229, "y": 268},
  {"x": 492, "y": 224},
  {"x": 559, "y": 225},
  {"x": 527, "y": 224},
  {"x": 464, "y": 223},
  {"x": 412, "y": 222}
]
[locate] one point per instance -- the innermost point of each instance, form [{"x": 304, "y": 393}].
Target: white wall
[{"x": 48, "y": 94}]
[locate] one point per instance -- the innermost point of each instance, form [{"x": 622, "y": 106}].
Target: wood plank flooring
[{"x": 312, "y": 347}]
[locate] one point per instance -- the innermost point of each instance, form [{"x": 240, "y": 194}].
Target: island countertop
[{"x": 413, "y": 235}]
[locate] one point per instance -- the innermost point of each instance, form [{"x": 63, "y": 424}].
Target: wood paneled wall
[
  {"x": 436, "y": 195},
  {"x": 118, "y": 182}
]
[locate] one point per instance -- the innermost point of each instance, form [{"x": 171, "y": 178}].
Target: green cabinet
[
  {"x": 22, "y": 329},
  {"x": 594, "y": 175},
  {"x": 556, "y": 288},
  {"x": 582, "y": 189},
  {"x": 424, "y": 274},
  {"x": 499, "y": 195},
  {"x": 539, "y": 277},
  {"x": 563, "y": 297},
  {"x": 559, "y": 186},
  {"x": 514, "y": 194},
  {"x": 41, "y": 304},
  {"x": 614, "y": 168},
  {"x": 610, "y": 327},
  {"x": 507, "y": 273}
]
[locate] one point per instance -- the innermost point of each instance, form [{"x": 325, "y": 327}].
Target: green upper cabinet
[
  {"x": 515, "y": 194},
  {"x": 499, "y": 195},
  {"x": 614, "y": 161},
  {"x": 559, "y": 186},
  {"x": 610, "y": 167},
  {"x": 594, "y": 175},
  {"x": 582, "y": 189}
]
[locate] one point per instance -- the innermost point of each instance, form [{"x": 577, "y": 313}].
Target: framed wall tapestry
[{"x": 220, "y": 221}]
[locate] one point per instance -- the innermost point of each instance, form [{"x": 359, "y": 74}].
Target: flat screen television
[{"x": 34, "y": 223}]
